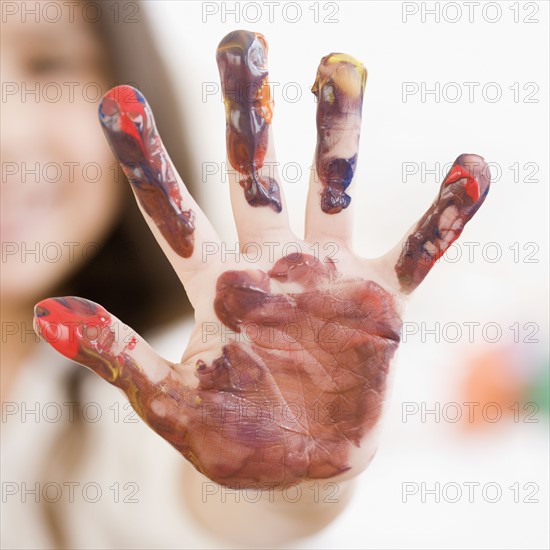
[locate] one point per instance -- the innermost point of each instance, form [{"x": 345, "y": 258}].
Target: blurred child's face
[{"x": 59, "y": 194}]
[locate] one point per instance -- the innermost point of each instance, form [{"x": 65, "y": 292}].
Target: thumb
[
  {"x": 159, "y": 391},
  {"x": 85, "y": 332}
]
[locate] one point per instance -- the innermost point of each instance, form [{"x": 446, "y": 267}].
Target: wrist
[{"x": 252, "y": 515}]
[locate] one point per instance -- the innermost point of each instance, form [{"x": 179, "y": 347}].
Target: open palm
[{"x": 285, "y": 375}]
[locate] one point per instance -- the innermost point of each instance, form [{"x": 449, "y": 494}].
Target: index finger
[{"x": 176, "y": 220}]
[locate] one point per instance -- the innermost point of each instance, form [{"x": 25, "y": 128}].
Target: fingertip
[
  {"x": 40, "y": 308},
  {"x": 118, "y": 110},
  {"x": 119, "y": 96},
  {"x": 241, "y": 41},
  {"x": 41, "y": 314},
  {"x": 478, "y": 168},
  {"x": 344, "y": 74}
]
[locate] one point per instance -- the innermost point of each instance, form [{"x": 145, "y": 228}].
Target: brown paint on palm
[
  {"x": 300, "y": 384},
  {"x": 294, "y": 389}
]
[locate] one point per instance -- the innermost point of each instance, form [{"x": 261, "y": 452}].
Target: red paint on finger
[
  {"x": 472, "y": 185},
  {"x": 84, "y": 332},
  {"x": 65, "y": 322},
  {"x": 129, "y": 126},
  {"x": 462, "y": 192}
]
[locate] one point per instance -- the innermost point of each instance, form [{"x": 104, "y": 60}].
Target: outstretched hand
[{"x": 284, "y": 377}]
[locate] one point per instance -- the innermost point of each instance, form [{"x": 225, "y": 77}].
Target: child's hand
[{"x": 284, "y": 378}]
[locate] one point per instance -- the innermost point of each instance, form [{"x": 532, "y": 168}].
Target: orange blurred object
[{"x": 495, "y": 385}]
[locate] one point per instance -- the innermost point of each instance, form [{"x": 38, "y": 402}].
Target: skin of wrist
[{"x": 250, "y": 516}]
